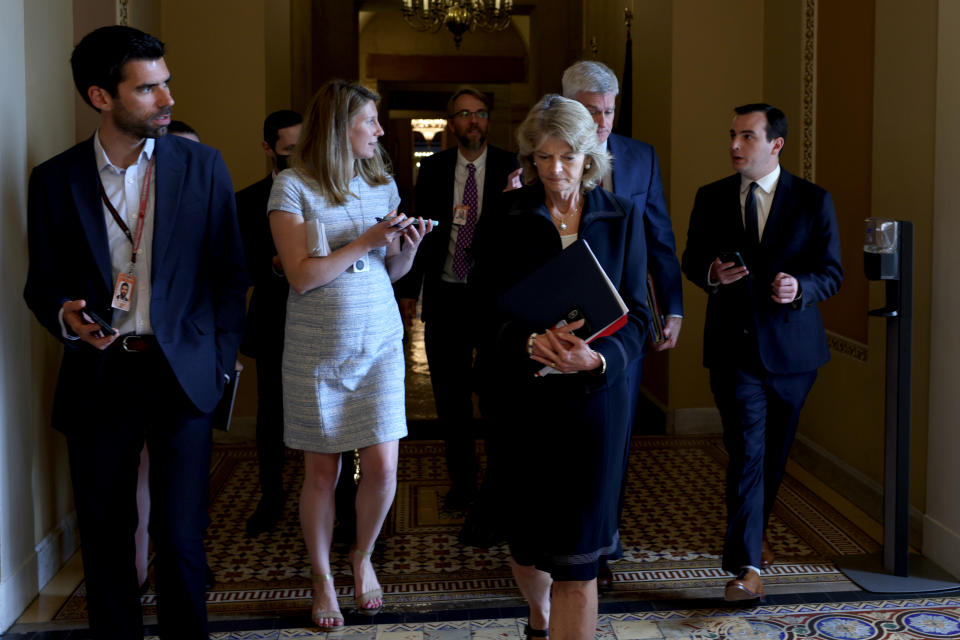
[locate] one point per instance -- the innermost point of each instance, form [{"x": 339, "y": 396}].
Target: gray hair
[
  {"x": 569, "y": 121},
  {"x": 589, "y": 76}
]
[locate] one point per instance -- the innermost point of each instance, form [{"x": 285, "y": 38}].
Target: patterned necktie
[
  {"x": 461, "y": 261},
  {"x": 751, "y": 225}
]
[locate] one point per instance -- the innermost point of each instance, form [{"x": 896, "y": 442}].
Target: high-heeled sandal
[
  {"x": 316, "y": 616},
  {"x": 367, "y": 597},
  {"x": 530, "y": 632}
]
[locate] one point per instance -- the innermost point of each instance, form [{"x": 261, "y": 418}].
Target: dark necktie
[
  {"x": 751, "y": 225},
  {"x": 462, "y": 261}
]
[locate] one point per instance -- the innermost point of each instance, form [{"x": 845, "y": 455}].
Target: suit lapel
[
  {"x": 619, "y": 186},
  {"x": 170, "y": 174},
  {"x": 84, "y": 186}
]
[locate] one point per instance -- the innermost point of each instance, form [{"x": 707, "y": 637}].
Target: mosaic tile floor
[{"x": 902, "y": 619}]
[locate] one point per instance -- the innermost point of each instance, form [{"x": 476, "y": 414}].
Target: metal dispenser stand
[{"x": 896, "y": 570}]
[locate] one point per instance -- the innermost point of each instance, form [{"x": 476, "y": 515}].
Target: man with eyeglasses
[{"x": 454, "y": 187}]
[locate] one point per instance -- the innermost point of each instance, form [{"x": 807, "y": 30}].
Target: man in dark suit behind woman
[
  {"x": 764, "y": 246},
  {"x": 263, "y": 339},
  {"x": 442, "y": 267},
  {"x": 132, "y": 205}
]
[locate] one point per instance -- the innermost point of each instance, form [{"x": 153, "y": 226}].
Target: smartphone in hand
[{"x": 732, "y": 256}]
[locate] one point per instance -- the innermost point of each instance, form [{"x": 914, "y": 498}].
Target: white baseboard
[
  {"x": 25, "y": 582},
  {"x": 54, "y": 550},
  {"x": 700, "y": 420},
  {"x": 941, "y": 545}
]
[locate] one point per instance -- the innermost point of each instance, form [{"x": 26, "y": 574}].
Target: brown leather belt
[{"x": 137, "y": 344}]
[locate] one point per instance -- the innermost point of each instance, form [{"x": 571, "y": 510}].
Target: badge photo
[
  {"x": 460, "y": 214},
  {"x": 123, "y": 291}
]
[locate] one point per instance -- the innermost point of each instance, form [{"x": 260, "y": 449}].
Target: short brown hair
[{"x": 468, "y": 91}]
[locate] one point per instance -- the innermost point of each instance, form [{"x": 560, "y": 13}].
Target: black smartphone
[
  {"x": 734, "y": 257},
  {"x": 100, "y": 321},
  {"x": 576, "y": 314}
]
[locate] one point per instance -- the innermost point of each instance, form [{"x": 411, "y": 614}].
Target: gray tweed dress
[{"x": 343, "y": 364}]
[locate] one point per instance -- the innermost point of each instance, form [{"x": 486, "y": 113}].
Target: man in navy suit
[
  {"x": 635, "y": 176},
  {"x": 266, "y": 318},
  {"x": 131, "y": 206},
  {"x": 764, "y": 245},
  {"x": 442, "y": 266}
]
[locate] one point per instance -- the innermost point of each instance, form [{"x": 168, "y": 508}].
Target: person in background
[
  {"x": 452, "y": 187},
  {"x": 266, "y": 316},
  {"x": 341, "y": 244}
]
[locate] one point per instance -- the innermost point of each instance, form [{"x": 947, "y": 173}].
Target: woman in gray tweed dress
[{"x": 343, "y": 363}]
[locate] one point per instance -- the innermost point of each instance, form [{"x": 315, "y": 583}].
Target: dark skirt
[{"x": 555, "y": 470}]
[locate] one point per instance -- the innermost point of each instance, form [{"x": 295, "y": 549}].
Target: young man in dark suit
[
  {"x": 636, "y": 176},
  {"x": 454, "y": 187},
  {"x": 130, "y": 205},
  {"x": 764, "y": 246},
  {"x": 266, "y": 317}
]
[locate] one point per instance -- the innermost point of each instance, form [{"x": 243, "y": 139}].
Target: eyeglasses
[{"x": 482, "y": 114}]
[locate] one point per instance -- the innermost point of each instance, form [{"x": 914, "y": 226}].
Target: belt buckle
[{"x": 123, "y": 343}]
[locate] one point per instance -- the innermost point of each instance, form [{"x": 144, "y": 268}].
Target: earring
[{"x": 588, "y": 166}]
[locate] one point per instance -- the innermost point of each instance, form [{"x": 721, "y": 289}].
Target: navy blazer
[
  {"x": 636, "y": 176},
  {"x": 197, "y": 269},
  {"x": 433, "y": 198},
  {"x": 801, "y": 239},
  {"x": 516, "y": 242}
]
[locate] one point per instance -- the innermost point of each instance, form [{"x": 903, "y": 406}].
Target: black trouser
[
  {"x": 271, "y": 452},
  {"x": 139, "y": 400},
  {"x": 449, "y": 340},
  {"x": 760, "y": 412}
]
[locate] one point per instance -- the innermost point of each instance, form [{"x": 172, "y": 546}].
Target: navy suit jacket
[
  {"x": 801, "y": 239},
  {"x": 433, "y": 198},
  {"x": 515, "y": 242},
  {"x": 636, "y": 177},
  {"x": 198, "y": 275}
]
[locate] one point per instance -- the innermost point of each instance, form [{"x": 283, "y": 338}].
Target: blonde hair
[
  {"x": 324, "y": 152},
  {"x": 569, "y": 121}
]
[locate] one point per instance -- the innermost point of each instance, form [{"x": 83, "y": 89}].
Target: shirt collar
[
  {"x": 103, "y": 161},
  {"x": 479, "y": 163},
  {"x": 767, "y": 183}
]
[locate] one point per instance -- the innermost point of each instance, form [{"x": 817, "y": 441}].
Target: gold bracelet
[
  {"x": 603, "y": 363},
  {"x": 533, "y": 336}
]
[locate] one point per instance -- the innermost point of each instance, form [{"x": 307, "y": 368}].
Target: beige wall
[
  {"x": 941, "y": 536},
  {"x": 36, "y": 530},
  {"x": 710, "y": 77}
]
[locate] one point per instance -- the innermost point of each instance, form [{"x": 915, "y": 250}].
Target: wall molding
[
  {"x": 809, "y": 78},
  {"x": 37, "y": 569},
  {"x": 941, "y": 545},
  {"x": 848, "y": 347},
  {"x": 691, "y": 420}
]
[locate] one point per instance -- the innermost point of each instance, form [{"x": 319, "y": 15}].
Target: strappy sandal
[
  {"x": 530, "y": 632},
  {"x": 327, "y": 613},
  {"x": 367, "y": 596}
]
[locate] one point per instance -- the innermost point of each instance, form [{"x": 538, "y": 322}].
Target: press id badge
[
  {"x": 460, "y": 214},
  {"x": 123, "y": 291}
]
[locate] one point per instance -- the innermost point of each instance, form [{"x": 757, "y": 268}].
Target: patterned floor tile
[
  {"x": 462, "y": 633},
  {"x": 399, "y": 635},
  {"x": 635, "y": 630}
]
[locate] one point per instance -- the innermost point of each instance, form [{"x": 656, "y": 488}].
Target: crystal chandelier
[{"x": 459, "y": 16}]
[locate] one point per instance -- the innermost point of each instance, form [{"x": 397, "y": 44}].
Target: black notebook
[{"x": 569, "y": 286}]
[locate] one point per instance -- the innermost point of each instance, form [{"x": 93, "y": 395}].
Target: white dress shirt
[
  {"x": 766, "y": 187},
  {"x": 459, "y": 182},
  {"x": 123, "y": 187}
]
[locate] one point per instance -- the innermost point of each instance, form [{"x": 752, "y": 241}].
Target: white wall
[
  {"x": 36, "y": 528},
  {"x": 941, "y": 531}
]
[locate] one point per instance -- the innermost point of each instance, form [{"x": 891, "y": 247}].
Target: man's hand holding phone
[
  {"x": 728, "y": 268},
  {"x": 87, "y": 325}
]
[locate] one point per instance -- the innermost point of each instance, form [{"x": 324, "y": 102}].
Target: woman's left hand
[{"x": 564, "y": 351}]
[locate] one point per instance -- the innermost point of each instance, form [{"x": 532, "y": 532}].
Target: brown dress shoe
[
  {"x": 747, "y": 586},
  {"x": 767, "y": 557}
]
